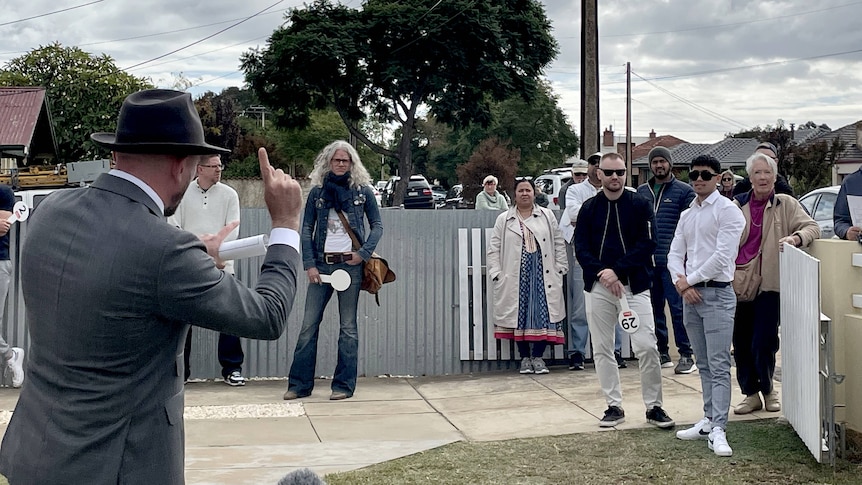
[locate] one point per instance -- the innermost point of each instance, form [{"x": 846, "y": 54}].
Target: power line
[
  {"x": 751, "y": 66},
  {"x": 720, "y": 26},
  {"x": 204, "y": 39},
  {"x": 50, "y": 13},
  {"x": 692, "y": 104},
  {"x": 203, "y": 53},
  {"x": 425, "y": 34},
  {"x": 157, "y": 34}
]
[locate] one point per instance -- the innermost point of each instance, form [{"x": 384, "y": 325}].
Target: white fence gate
[{"x": 806, "y": 355}]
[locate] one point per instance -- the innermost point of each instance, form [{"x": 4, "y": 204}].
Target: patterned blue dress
[{"x": 534, "y": 322}]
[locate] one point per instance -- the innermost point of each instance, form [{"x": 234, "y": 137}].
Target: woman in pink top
[{"x": 770, "y": 220}]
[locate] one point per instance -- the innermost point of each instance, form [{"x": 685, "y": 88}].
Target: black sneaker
[
  {"x": 685, "y": 366},
  {"x": 666, "y": 361},
  {"x": 621, "y": 363},
  {"x": 234, "y": 379},
  {"x": 576, "y": 361},
  {"x": 657, "y": 417},
  {"x": 613, "y": 416}
]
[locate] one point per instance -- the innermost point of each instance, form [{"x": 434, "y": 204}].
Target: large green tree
[
  {"x": 393, "y": 58},
  {"x": 84, "y": 93},
  {"x": 810, "y": 167},
  {"x": 537, "y": 128}
]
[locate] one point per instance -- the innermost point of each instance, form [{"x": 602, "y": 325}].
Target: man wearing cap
[
  {"x": 111, "y": 289},
  {"x": 579, "y": 330},
  {"x": 669, "y": 197},
  {"x": 781, "y": 185},
  {"x": 579, "y": 174}
]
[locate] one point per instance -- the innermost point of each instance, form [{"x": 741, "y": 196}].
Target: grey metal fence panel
[{"x": 414, "y": 331}]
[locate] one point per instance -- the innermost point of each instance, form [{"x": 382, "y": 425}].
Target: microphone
[{"x": 302, "y": 476}]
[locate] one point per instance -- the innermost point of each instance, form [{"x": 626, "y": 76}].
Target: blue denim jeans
[
  {"x": 301, "y": 377},
  {"x": 664, "y": 289}
]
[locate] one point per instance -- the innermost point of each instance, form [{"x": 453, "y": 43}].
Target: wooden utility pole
[
  {"x": 589, "y": 78},
  {"x": 629, "y": 124}
]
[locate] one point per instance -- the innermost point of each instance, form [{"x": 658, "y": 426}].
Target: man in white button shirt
[{"x": 701, "y": 262}]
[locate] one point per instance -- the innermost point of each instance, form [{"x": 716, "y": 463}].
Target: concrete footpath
[{"x": 249, "y": 435}]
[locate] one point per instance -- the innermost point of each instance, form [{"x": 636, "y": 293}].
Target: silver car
[{"x": 820, "y": 203}]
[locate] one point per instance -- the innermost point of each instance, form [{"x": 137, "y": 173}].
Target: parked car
[
  {"x": 418, "y": 195},
  {"x": 439, "y": 195},
  {"x": 820, "y": 204},
  {"x": 377, "y": 196},
  {"x": 550, "y": 183}
]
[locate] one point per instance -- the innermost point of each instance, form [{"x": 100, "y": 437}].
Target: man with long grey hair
[{"x": 334, "y": 237}]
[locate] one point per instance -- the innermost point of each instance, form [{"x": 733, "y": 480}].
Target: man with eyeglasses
[
  {"x": 579, "y": 331},
  {"x": 614, "y": 243},
  {"x": 208, "y": 205},
  {"x": 669, "y": 198},
  {"x": 701, "y": 261}
]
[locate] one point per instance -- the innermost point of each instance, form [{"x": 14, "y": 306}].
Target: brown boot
[
  {"x": 749, "y": 405},
  {"x": 772, "y": 401}
]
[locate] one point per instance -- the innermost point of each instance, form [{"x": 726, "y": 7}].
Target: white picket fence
[{"x": 476, "y": 303}]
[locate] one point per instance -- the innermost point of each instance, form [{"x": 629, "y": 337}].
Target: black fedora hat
[{"x": 158, "y": 121}]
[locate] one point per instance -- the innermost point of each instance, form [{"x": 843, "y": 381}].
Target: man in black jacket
[{"x": 614, "y": 243}]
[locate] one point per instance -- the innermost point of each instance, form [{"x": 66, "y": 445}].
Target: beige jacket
[
  {"x": 782, "y": 217},
  {"x": 504, "y": 263}
]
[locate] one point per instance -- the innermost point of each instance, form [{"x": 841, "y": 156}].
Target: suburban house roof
[
  {"x": 849, "y": 135},
  {"x": 666, "y": 141},
  {"x": 731, "y": 152},
  {"x": 25, "y": 121}
]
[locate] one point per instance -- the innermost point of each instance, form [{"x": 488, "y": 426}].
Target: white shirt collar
[
  {"x": 710, "y": 199},
  {"x": 140, "y": 183}
]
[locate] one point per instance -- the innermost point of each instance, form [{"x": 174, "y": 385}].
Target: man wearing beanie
[{"x": 669, "y": 198}]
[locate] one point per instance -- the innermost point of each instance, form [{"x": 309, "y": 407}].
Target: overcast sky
[{"x": 710, "y": 66}]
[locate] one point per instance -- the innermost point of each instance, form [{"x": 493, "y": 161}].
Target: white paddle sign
[
  {"x": 339, "y": 279},
  {"x": 627, "y": 318},
  {"x": 20, "y": 212}
]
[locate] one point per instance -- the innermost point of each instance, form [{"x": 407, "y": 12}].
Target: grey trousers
[
  {"x": 710, "y": 330},
  {"x": 5, "y": 279},
  {"x": 604, "y": 309}
]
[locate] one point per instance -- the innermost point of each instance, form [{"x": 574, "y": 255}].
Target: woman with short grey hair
[{"x": 489, "y": 198}]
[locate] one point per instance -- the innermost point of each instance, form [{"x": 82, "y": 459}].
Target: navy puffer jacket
[{"x": 674, "y": 197}]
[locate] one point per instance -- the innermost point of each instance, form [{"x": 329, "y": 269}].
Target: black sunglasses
[
  {"x": 726, "y": 180},
  {"x": 608, "y": 172},
  {"x": 522, "y": 179},
  {"x": 704, "y": 175}
]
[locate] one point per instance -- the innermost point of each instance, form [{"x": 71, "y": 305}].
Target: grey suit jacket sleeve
[{"x": 192, "y": 290}]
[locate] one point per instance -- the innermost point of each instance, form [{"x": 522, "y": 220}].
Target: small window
[{"x": 545, "y": 186}]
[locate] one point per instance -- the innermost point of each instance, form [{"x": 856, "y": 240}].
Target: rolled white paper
[{"x": 247, "y": 247}]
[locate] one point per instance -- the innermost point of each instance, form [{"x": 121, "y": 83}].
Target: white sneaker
[
  {"x": 700, "y": 431},
  {"x": 718, "y": 443},
  {"x": 16, "y": 366}
]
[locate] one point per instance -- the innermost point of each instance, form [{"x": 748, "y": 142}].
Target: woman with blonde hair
[
  {"x": 340, "y": 192},
  {"x": 726, "y": 183}
]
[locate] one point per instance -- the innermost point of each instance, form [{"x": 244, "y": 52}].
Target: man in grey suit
[{"x": 111, "y": 289}]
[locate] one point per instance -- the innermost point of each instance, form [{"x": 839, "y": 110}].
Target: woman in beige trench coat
[{"x": 526, "y": 263}]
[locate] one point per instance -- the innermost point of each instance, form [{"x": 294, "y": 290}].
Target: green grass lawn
[{"x": 763, "y": 452}]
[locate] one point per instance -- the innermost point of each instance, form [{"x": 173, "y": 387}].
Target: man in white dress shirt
[{"x": 701, "y": 262}]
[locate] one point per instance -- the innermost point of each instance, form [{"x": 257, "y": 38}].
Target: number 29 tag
[{"x": 628, "y": 318}]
